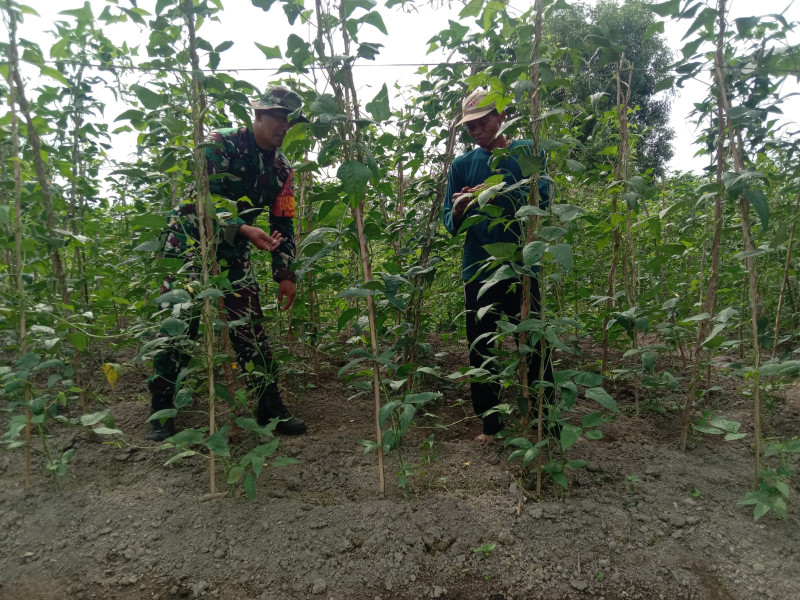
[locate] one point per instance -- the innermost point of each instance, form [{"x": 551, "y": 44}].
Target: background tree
[{"x": 595, "y": 30}]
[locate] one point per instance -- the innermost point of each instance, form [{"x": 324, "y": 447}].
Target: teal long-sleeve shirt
[{"x": 472, "y": 169}]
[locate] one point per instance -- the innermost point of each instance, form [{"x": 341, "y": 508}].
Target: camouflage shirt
[{"x": 252, "y": 180}]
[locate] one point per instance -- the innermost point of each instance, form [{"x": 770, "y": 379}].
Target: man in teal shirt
[{"x": 465, "y": 179}]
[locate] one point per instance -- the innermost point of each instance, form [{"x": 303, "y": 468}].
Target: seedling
[
  {"x": 632, "y": 480},
  {"x": 486, "y": 549}
]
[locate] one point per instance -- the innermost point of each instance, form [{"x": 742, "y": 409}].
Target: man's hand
[
  {"x": 260, "y": 238},
  {"x": 463, "y": 199},
  {"x": 460, "y": 201},
  {"x": 286, "y": 289}
]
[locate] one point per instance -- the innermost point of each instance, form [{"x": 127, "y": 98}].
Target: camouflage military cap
[{"x": 279, "y": 98}]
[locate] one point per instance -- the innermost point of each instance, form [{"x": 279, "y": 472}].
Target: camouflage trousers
[{"x": 242, "y": 310}]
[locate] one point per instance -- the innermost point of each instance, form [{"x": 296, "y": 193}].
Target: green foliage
[{"x": 109, "y": 216}]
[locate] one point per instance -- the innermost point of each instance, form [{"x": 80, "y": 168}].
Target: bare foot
[{"x": 484, "y": 439}]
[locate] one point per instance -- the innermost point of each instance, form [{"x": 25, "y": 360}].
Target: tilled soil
[{"x": 642, "y": 520}]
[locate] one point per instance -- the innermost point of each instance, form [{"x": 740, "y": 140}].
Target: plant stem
[
  {"x": 785, "y": 276},
  {"x": 204, "y": 224}
]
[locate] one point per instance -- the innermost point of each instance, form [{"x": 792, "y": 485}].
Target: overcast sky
[{"x": 406, "y": 44}]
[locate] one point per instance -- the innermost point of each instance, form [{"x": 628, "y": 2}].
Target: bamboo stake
[
  {"x": 785, "y": 276},
  {"x": 713, "y": 279},
  {"x": 77, "y": 120},
  {"x": 430, "y": 232},
  {"x": 738, "y": 161},
  {"x": 531, "y": 227},
  {"x": 23, "y": 336},
  {"x": 204, "y": 225},
  {"x": 351, "y": 108},
  {"x": 312, "y": 304}
]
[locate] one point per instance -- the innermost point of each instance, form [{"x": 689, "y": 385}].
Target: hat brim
[
  {"x": 475, "y": 115},
  {"x": 300, "y": 117}
]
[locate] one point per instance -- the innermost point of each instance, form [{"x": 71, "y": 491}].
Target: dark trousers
[
  {"x": 505, "y": 298},
  {"x": 243, "y": 312}
]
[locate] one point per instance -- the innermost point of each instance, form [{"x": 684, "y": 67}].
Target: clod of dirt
[
  {"x": 199, "y": 587},
  {"x": 578, "y": 584}
]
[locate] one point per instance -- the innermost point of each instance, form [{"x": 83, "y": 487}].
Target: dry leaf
[{"x": 112, "y": 373}]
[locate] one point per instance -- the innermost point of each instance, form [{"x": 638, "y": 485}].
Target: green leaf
[
  {"x": 106, "y": 431},
  {"x": 664, "y": 84},
  {"x": 355, "y": 293},
  {"x": 654, "y": 28},
  {"x": 594, "y": 434},
  {"x": 78, "y": 340},
  {"x": 179, "y": 296},
  {"x": 218, "y": 444},
  {"x": 472, "y": 9},
  {"x": 569, "y": 435},
  {"x": 173, "y": 327},
  {"x": 595, "y": 419},
  {"x": 501, "y": 274},
  {"x": 92, "y": 418},
  {"x": 163, "y": 414},
  {"x": 210, "y": 293},
  {"x": 502, "y": 250},
  {"x": 406, "y": 416},
  {"x": 670, "y": 8},
  {"x": 284, "y": 461},
  {"x": 574, "y": 167},
  {"x": 379, "y": 106},
  {"x": 28, "y": 361},
  {"x": 528, "y": 210},
  {"x": 560, "y": 479},
  {"x": 369, "y": 50},
  {"x": 354, "y": 176},
  {"x": 54, "y": 73},
  {"x": 588, "y": 379},
  {"x": 324, "y": 104},
  {"x": 529, "y": 164},
  {"x": 530, "y": 454},
  {"x": 376, "y": 20},
  {"x": 532, "y": 253},
  {"x": 345, "y": 317},
  {"x": 550, "y": 233},
  {"x": 269, "y": 51},
  {"x": 186, "y": 436},
  {"x": 421, "y": 398},
  {"x": 758, "y": 200},
  {"x": 149, "y": 246},
  {"x": 235, "y": 474},
  {"x": 149, "y": 99},
  {"x": 180, "y": 455},
  {"x": 576, "y": 464},
  {"x": 298, "y": 133},
  {"x": 568, "y": 212},
  {"x": 562, "y": 254},
  {"x": 149, "y": 221},
  {"x": 250, "y": 486},
  {"x": 386, "y": 410},
  {"x": 602, "y": 397},
  {"x": 83, "y": 15}
]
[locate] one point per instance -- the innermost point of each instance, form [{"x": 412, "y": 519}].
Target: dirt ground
[{"x": 125, "y": 526}]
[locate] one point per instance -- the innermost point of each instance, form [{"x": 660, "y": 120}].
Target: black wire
[{"x": 371, "y": 64}]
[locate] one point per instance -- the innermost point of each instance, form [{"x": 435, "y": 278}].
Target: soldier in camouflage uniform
[{"x": 247, "y": 168}]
